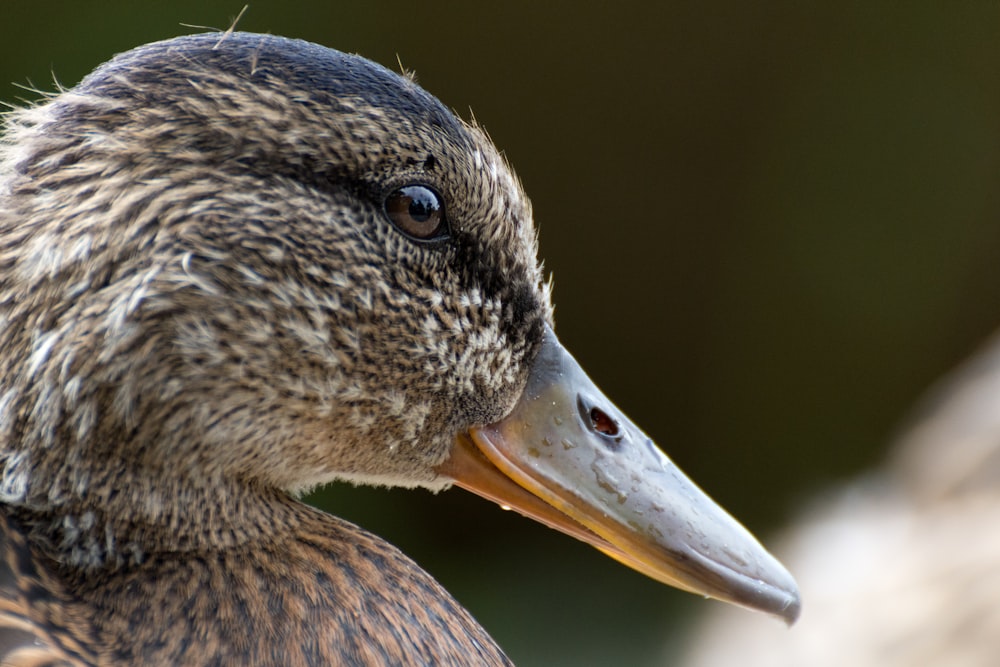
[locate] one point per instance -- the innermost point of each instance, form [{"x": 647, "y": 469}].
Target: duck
[
  {"x": 236, "y": 266},
  {"x": 899, "y": 564}
]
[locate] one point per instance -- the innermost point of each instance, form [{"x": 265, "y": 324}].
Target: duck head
[{"x": 235, "y": 265}]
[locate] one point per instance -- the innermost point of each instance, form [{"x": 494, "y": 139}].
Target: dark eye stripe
[{"x": 418, "y": 212}]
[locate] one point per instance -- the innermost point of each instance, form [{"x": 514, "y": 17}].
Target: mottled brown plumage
[
  {"x": 203, "y": 303},
  {"x": 207, "y": 306},
  {"x": 309, "y": 594}
]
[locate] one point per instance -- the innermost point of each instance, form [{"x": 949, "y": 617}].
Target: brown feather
[{"x": 203, "y": 311}]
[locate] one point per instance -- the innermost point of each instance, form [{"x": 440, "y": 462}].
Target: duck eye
[{"x": 418, "y": 212}]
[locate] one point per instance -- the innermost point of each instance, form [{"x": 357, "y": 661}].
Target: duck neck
[{"x": 125, "y": 516}]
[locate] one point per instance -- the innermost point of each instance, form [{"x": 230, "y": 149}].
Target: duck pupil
[{"x": 420, "y": 210}]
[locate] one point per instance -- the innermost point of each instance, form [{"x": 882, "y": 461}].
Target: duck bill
[{"x": 565, "y": 456}]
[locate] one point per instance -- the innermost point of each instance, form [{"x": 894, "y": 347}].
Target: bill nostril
[{"x": 601, "y": 423}]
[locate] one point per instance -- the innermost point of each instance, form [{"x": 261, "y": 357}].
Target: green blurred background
[{"x": 771, "y": 225}]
